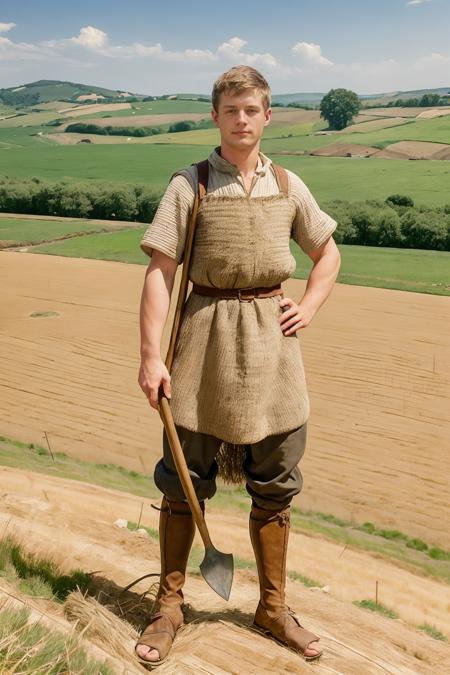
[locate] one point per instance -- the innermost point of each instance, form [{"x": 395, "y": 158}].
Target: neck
[{"x": 245, "y": 160}]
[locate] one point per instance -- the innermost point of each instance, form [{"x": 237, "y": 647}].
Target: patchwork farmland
[{"x": 371, "y": 513}]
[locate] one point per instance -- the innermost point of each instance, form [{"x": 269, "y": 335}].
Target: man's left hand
[{"x": 294, "y": 317}]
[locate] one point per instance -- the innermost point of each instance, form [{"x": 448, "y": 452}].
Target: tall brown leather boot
[
  {"x": 176, "y": 534},
  {"x": 269, "y": 534}
]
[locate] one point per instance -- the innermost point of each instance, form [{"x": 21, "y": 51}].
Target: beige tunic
[{"x": 235, "y": 374}]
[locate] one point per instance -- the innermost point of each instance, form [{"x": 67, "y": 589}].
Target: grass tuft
[
  {"x": 432, "y": 632},
  {"x": 32, "y": 649},
  {"x": 154, "y": 534},
  {"x": 306, "y": 581},
  {"x": 376, "y": 607},
  {"x": 392, "y": 544},
  {"x": 38, "y": 576}
]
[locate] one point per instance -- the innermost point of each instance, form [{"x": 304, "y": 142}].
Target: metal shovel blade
[{"x": 217, "y": 569}]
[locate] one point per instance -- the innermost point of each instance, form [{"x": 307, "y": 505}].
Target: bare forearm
[
  {"x": 155, "y": 302},
  {"x": 321, "y": 280}
]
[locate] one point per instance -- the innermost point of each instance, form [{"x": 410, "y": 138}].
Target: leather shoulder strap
[
  {"x": 203, "y": 173},
  {"x": 282, "y": 178}
]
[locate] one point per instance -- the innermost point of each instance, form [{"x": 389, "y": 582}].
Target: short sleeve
[
  {"x": 312, "y": 226},
  {"x": 167, "y": 231}
]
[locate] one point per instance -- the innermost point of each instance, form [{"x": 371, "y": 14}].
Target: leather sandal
[
  {"x": 159, "y": 635},
  {"x": 287, "y": 630},
  {"x": 176, "y": 533},
  {"x": 269, "y": 533}
]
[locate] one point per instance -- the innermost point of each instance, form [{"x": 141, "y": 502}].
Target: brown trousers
[{"x": 270, "y": 467}]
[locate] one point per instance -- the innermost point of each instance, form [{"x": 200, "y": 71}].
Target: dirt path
[
  {"x": 120, "y": 224},
  {"x": 377, "y": 364},
  {"x": 73, "y": 523}
]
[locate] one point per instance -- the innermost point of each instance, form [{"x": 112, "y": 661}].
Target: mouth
[{"x": 241, "y": 133}]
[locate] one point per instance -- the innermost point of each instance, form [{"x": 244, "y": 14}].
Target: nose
[{"x": 241, "y": 116}]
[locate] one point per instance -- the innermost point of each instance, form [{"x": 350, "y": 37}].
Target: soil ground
[
  {"x": 73, "y": 524},
  {"x": 377, "y": 365}
]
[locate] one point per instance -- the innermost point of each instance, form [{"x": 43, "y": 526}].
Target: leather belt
[{"x": 242, "y": 294}]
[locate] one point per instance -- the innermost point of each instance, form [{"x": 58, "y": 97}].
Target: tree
[{"x": 338, "y": 107}]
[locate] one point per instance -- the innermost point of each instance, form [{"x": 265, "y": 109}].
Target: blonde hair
[{"x": 238, "y": 79}]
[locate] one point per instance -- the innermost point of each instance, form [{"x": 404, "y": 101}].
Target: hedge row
[
  {"x": 394, "y": 222},
  {"x": 101, "y": 199},
  {"x": 109, "y": 130}
]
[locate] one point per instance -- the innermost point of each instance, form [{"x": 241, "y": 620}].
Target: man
[{"x": 237, "y": 378}]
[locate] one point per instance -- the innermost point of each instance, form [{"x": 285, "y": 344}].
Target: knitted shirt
[{"x": 235, "y": 375}]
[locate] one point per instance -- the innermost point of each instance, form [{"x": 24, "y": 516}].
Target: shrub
[
  {"x": 387, "y": 227},
  {"x": 429, "y": 230},
  {"x": 400, "y": 200},
  {"x": 363, "y": 217},
  {"x": 417, "y": 544},
  {"x": 438, "y": 553}
]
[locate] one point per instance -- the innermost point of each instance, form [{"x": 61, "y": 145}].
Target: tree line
[
  {"x": 109, "y": 130},
  {"x": 395, "y": 222},
  {"x": 425, "y": 101},
  {"x": 99, "y": 199}
]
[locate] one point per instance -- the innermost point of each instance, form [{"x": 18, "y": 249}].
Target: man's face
[{"x": 241, "y": 119}]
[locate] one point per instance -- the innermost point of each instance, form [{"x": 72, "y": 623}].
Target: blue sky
[{"x": 156, "y": 47}]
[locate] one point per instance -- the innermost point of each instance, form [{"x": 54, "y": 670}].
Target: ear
[
  {"x": 215, "y": 117},
  {"x": 267, "y": 116}
]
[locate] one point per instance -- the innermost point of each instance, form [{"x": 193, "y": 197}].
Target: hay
[
  {"x": 230, "y": 459},
  {"x": 99, "y": 624}
]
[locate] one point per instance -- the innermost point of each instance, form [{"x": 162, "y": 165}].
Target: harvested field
[
  {"x": 362, "y": 117},
  {"x": 95, "y": 108},
  {"x": 395, "y": 112},
  {"x": 344, "y": 150},
  {"x": 437, "y": 112},
  {"x": 415, "y": 150},
  {"x": 60, "y": 106},
  {"x": 293, "y": 115},
  {"x": 444, "y": 153},
  {"x": 374, "y": 125},
  {"x": 378, "y": 377}
]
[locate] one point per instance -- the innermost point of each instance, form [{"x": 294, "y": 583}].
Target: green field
[
  {"x": 328, "y": 177},
  {"x": 28, "y": 120},
  {"x": 122, "y": 246},
  {"x": 27, "y": 231},
  {"x": 156, "y": 108},
  {"x": 28, "y": 151},
  {"x": 402, "y": 269},
  {"x": 152, "y": 160}
]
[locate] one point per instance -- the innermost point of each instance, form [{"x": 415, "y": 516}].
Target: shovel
[{"x": 216, "y": 567}]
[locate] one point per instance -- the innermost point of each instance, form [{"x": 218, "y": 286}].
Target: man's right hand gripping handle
[{"x": 153, "y": 374}]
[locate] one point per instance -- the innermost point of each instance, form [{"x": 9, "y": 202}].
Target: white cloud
[
  {"x": 153, "y": 68},
  {"x": 10, "y": 50},
  {"x": 5, "y": 27},
  {"x": 232, "y": 50},
  {"x": 310, "y": 54},
  {"x": 95, "y": 40},
  {"x": 417, "y": 2},
  {"x": 92, "y": 38}
]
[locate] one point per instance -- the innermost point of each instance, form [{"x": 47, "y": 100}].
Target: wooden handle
[
  {"x": 182, "y": 469},
  {"x": 183, "y": 287},
  {"x": 164, "y": 405}
]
